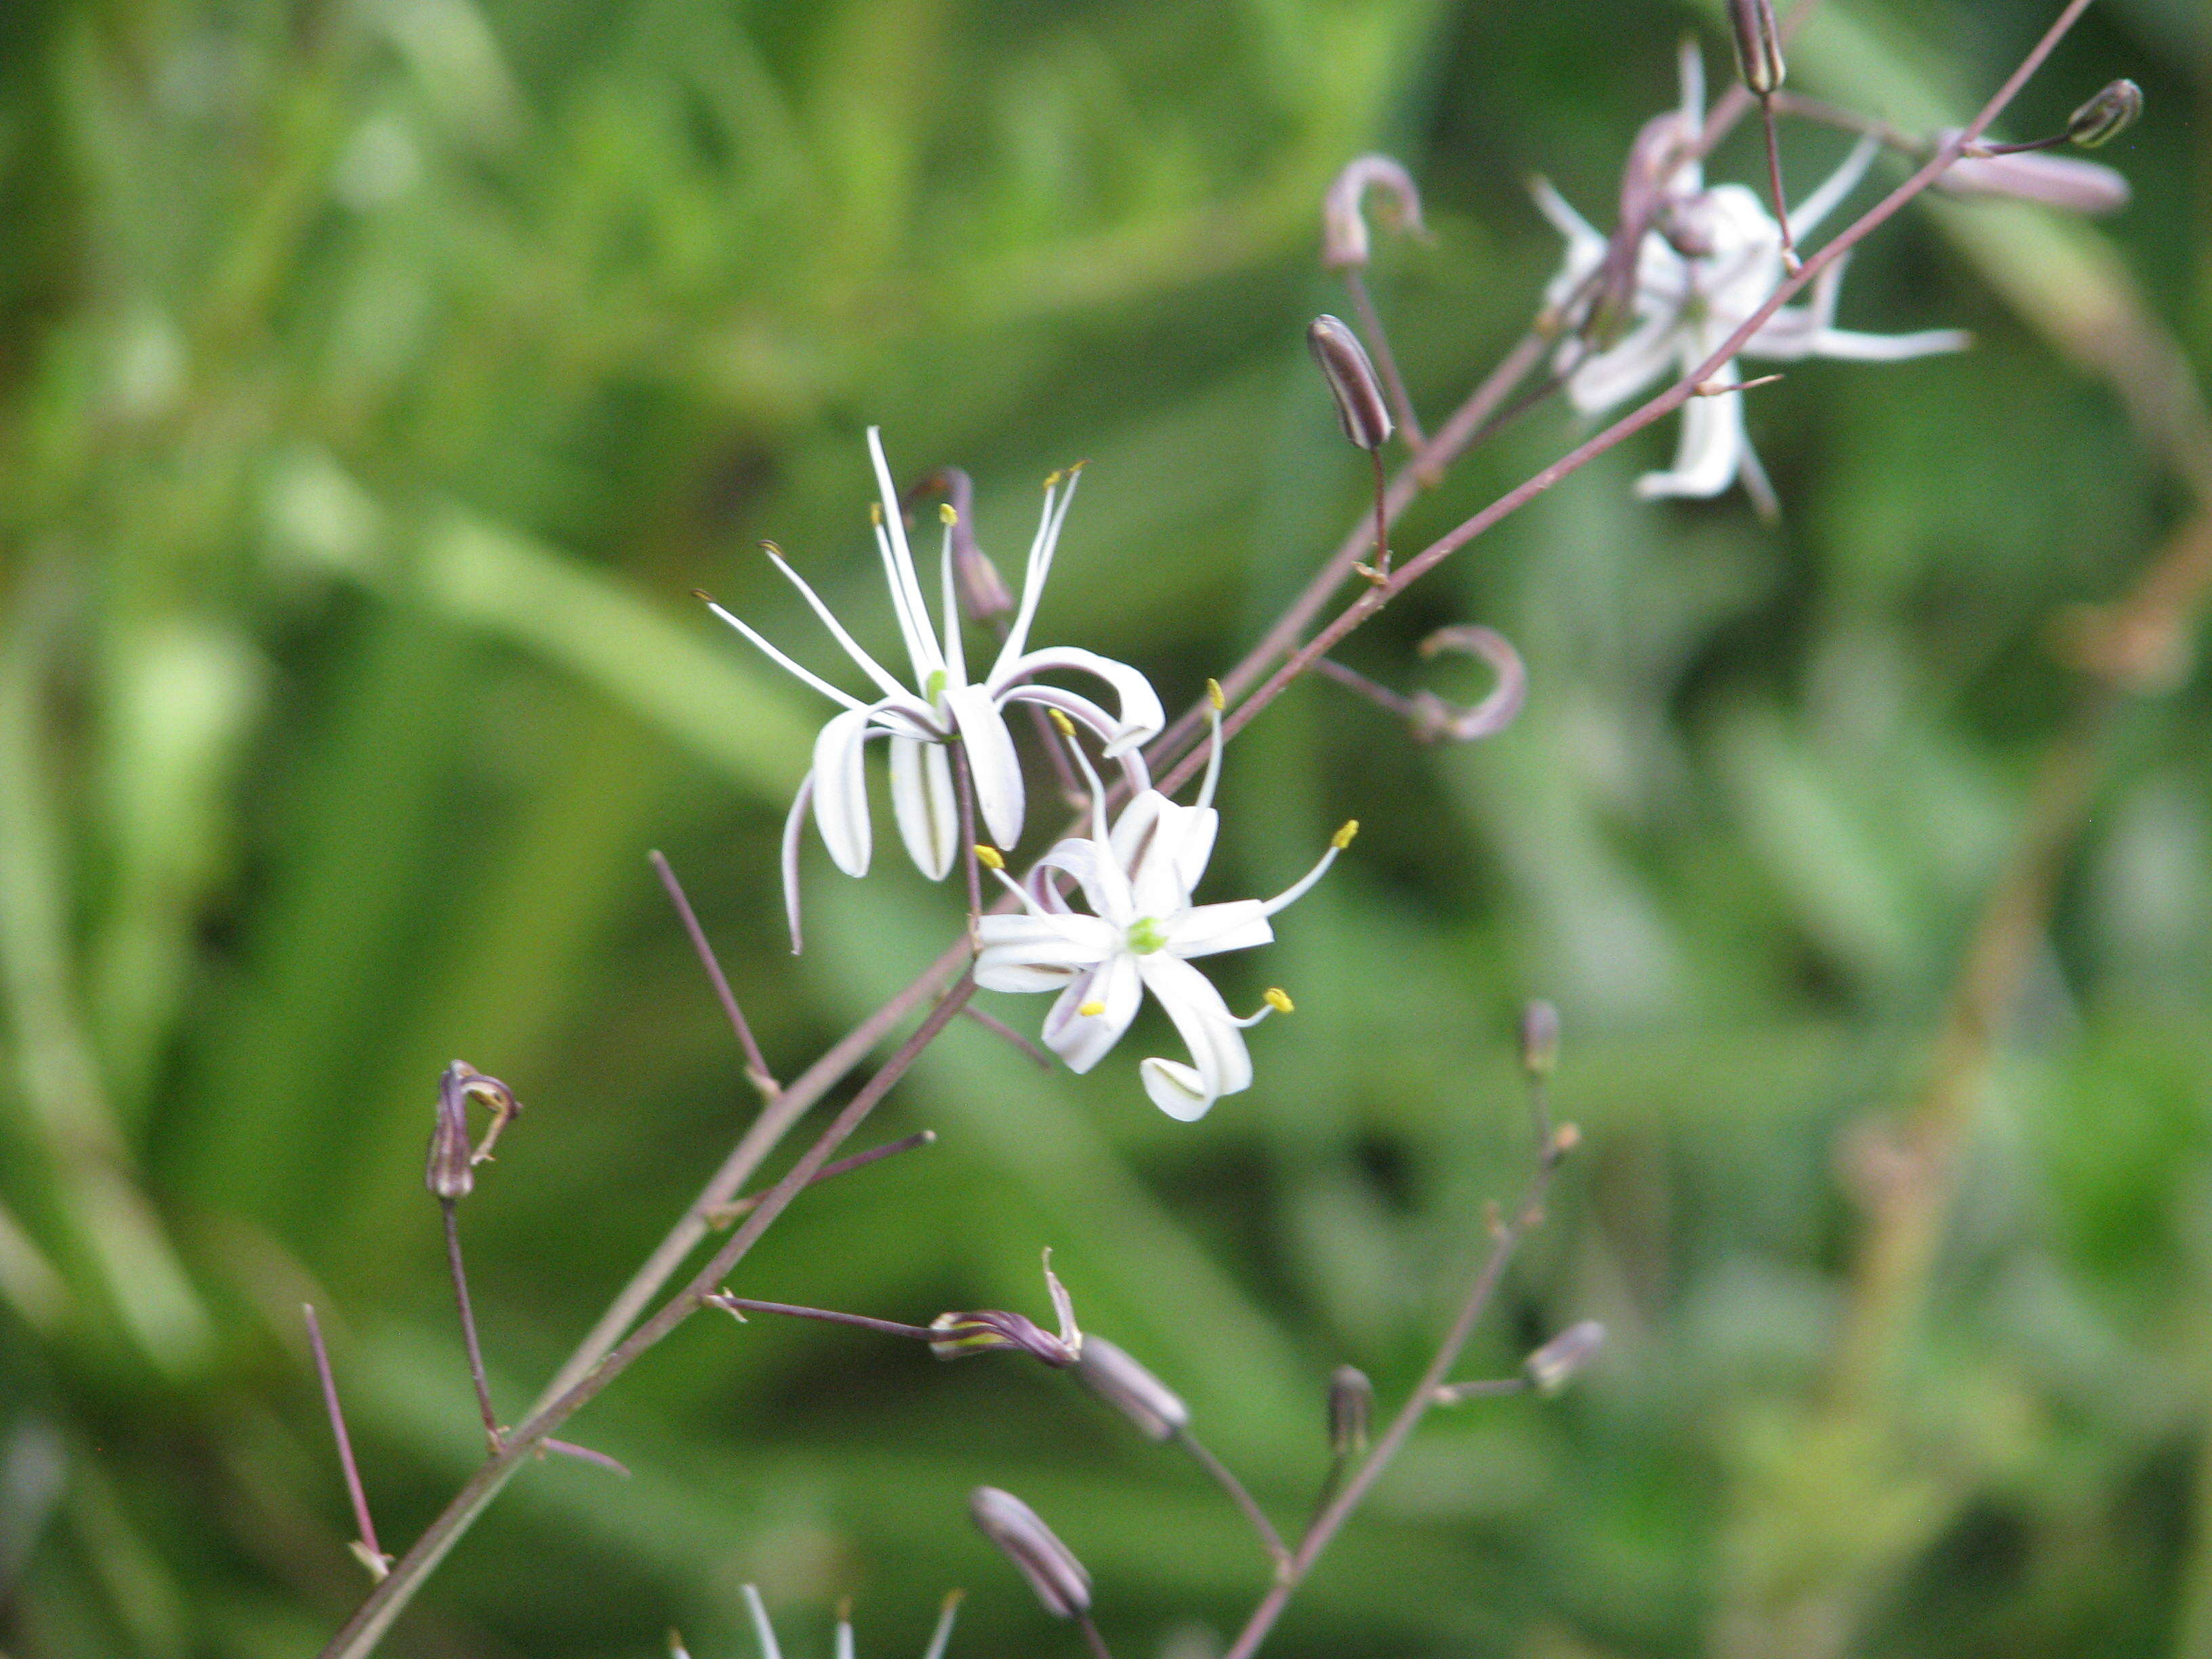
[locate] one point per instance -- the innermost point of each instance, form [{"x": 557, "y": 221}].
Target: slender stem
[
  {"x": 1381, "y": 517},
  {"x": 999, "y": 1028},
  {"x": 373, "y": 1551},
  {"x": 1774, "y": 182},
  {"x": 1386, "y": 361},
  {"x": 1331, "y": 1519},
  {"x": 1843, "y": 120},
  {"x": 775, "y": 1120},
  {"x": 584, "y": 1455},
  {"x": 373, "y": 1617},
  {"x": 1451, "y": 1394},
  {"x": 1278, "y": 1552},
  {"x": 1098, "y": 1643},
  {"x": 965, "y": 781},
  {"x": 469, "y": 1321},
  {"x": 723, "y": 1215},
  {"x": 888, "y": 1327},
  {"x": 1373, "y": 691},
  {"x": 756, "y": 1071}
]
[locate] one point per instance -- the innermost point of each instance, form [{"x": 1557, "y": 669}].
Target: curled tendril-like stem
[{"x": 1432, "y": 718}]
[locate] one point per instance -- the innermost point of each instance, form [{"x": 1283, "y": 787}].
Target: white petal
[
  {"x": 1141, "y": 715},
  {"x": 1163, "y": 846},
  {"x": 1850, "y": 347},
  {"x": 1104, "y": 886},
  {"x": 1221, "y": 1064},
  {"x": 898, "y": 571},
  {"x": 928, "y": 812},
  {"x": 992, "y": 763},
  {"x": 1710, "y": 448},
  {"x": 1206, "y": 930},
  {"x": 841, "y": 791},
  {"x": 794, "y": 821},
  {"x": 1041, "y": 545},
  {"x": 1806, "y": 216},
  {"x": 1083, "y": 1040},
  {"x": 1026, "y": 953},
  {"x": 1611, "y": 376},
  {"x": 1088, "y": 716}
]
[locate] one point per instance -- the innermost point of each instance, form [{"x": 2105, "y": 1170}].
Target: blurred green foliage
[{"x": 379, "y": 376}]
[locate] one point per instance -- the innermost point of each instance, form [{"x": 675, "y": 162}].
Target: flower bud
[
  {"x": 994, "y": 1330},
  {"x": 1131, "y": 1390},
  {"x": 1054, "y": 1574},
  {"x": 1540, "y": 1039},
  {"x": 2059, "y": 181},
  {"x": 2107, "y": 115},
  {"x": 1757, "y": 44},
  {"x": 1360, "y": 410},
  {"x": 1350, "y": 1409},
  {"x": 1344, "y": 225},
  {"x": 1552, "y": 1366},
  {"x": 984, "y": 594}
]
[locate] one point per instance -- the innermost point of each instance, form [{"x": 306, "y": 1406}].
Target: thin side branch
[{"x": 370, "y": 1552}]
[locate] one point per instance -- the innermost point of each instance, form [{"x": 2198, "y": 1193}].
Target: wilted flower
[
  {"x": 2114, "y": 109},
  {"x": 1344, "y": 241},
  {"x": 1054, "y": 1574},
  {"x": 1143, "y": 932},
  {"x": 2059, "y": 181},
  {"x": 1552, "y": 1366},
  {"x": 1345, "y": 365},
  {"x": 450, "y": 1170},
  {"x": 1350, "y": 1409},
  {"x": 1713, "y": 257},
  {"x": 965, "y": 1333},
  {"x": 943, "y": 705}
]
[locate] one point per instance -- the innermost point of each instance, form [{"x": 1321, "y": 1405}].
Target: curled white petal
[
  {"x": 794, "y": 821},
  {"x": 841, "y": 791},
  {"x": 1029, "y": 953},
  {"x": 1710, "y": 450},
  {"x": 1220, "y": 1063},
  {"x": 923, "y": 801},
  {"x": 1115, "y": 989},
  {"x": 1141, "y": 716}
]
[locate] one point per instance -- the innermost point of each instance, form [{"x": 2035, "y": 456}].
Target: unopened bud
[
  {"x": 983, "y": 595},
  {"x": 1552, "y": 1366},
  {"x": 1757, "y": 44},
  {"x": 2059, "y": 181},
  {"x": 1122, "y": 1384},
  {"x": 1054, "y": 1574},
  {"x": 449, "y": 1172},
  {"x": 1351, "y": 1410},
  {"x": 2107, "y": 115},
  {"x": 1343, "y": 224},
  {"x": 1540, "y": 1039},
  {"x": 1360, "y": 410}
]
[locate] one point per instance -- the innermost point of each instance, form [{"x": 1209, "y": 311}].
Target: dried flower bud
[
  {"x": 1552, "y": 1366},
  {"x": 1131, "y": 1390},
  {"x": 1433, "y": 718},
  {"x": 1344, "y": 225},
  {"x": 984, "y": 594},
  {"x": 2059, "y": 181},
  {"x": 1350, "y": 1409},
  {"x": 450, "y": 1170},
  {"x": 1757, "y": 44},
  {"x": 994, "y": 1330},
  {"x": 1540, "y": 1039},
  {"x": 1360, "y": 410},
  {"x": 2107, "y": 115},
  {"x": 1054, "y": 1574}
]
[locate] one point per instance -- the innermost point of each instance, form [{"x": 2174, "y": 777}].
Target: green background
[{"x": 377, "y": 379}]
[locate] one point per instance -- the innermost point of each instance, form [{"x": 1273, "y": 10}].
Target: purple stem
[
  {"x": 756, "y": 1072},
  {"x": 367, "y": 1528}
]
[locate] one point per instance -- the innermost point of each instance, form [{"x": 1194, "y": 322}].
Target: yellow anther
[
  {"x": 1342, "y": 838},
  {"x": 1090, "y": 1010},
  {"x": 1060, "y": 723},
  {"x": 876, "y": 513},
  {"x": 945, "y": 515},
  {"x": 772, "y": 550},
  {"x": 1052, "y": 481},
  {"x": 1279, "y": 1000},
  {"x": 989, "y": 857},
  {"x": 1213, "y": 695}
]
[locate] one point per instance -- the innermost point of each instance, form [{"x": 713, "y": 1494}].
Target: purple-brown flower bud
[
  {"x": 2110, "y": 114},
  {"x": 449, "y": 1172},
  {"x": 1360, "y": 410},
  {"x": 1350, "y": 1411},
  {"x": 993, "y": 1331},
  {"x": 1540, "y": 1039},
  {"x": 984, "y": 594},
  {"x": 1122, "y": 1384},
  {"x": 1757, "y": 44},
  {"x": 1343, "y": 243},
  {"x": 1054, "y": 1574},
  {"x": 1552, "y": 1366}
]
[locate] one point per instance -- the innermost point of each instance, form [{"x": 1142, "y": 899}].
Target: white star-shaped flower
[
  {"x": 1713, "y": 257},
  {"x": 1141, "y": 934},
  {"x": 943, "y": 706}
]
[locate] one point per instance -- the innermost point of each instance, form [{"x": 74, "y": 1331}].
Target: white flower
[
  {"x": 1713, "y": 258},
  {"x": 1142, "y": 933},
  {"x": 944, "y": 705}
]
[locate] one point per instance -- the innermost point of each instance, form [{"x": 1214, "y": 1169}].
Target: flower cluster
[
  {"x": 1711, "y": 258},
  {"x": 1138, "y": 877}
]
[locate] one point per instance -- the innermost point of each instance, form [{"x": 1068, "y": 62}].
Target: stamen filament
[
  {"x": 786, "y": 663},
  {"x": 1298, "y": 890},
  {"x": 874, "y": 670}
]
